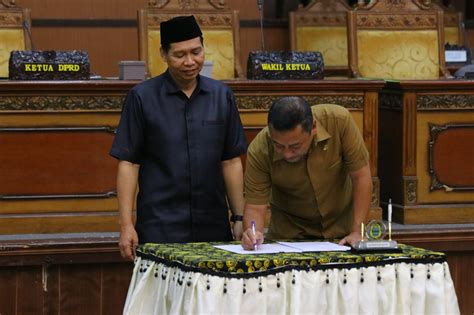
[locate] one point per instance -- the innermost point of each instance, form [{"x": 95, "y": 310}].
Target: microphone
[
  {"x": 467, "y": 71},
  {"x": 260, "y": 8},
  {"x": 466, "y": 43},
  {"x": 27, "y": 28}
]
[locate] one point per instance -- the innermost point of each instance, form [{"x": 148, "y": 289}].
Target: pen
[
  {"x": 389, "y": 215},
  {"x": 254, "y": 234}
]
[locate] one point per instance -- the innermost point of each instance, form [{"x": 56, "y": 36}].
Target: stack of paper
[{"x": 286, "y": 247}]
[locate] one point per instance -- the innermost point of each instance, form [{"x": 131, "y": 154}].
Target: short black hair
[
  {"x": 289, "y": 112},
  {"x": 166, "y": 47}
]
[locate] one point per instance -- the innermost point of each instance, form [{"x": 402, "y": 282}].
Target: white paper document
[
  {"x": 272, "y": 248},
  {"x": 317, "y": 246},
  {"x": 286, "y": 247}
]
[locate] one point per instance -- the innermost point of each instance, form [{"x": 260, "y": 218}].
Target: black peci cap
[{"x": 179, "y": 29}]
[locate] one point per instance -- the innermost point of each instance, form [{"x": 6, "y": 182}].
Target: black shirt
[{"x": 179, "y": 143}]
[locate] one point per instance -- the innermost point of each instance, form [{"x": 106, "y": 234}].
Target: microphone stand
[
  {"x": 27, "y": 28},
  {"x": 260, "y": 8}
]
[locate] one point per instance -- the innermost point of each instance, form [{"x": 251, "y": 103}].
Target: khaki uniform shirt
[{"x": 311, "y": 198}]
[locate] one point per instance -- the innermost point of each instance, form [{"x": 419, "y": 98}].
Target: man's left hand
[
  {"x": 351, "y": 239},
  {"x": 237, "y": 230}
]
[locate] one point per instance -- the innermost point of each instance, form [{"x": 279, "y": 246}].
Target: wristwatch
[{"x": 236, "y": 217}]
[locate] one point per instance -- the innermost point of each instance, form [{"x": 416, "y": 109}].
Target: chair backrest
[
  {"x": 397, "y": 39},
  {"x": 322, "y": 26},
  {"x": 219, "y": 24},
  {"x": 453, "y": 23},
  {"x": 14, "y": 27}
]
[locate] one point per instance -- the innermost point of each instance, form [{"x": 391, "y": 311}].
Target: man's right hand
[
  {"x": 249, "y": 240},
  {"x": 128, "y": 242}
]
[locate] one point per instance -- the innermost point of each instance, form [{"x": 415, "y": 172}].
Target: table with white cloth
[{"x": 197, "y": 278}]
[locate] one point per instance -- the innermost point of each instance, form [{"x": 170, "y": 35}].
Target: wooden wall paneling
[
  {"x": 370, "y": 128},
  {"x": 457, "y": 155},
  {"x": 438, "y": 213},
  {"x": 248, "y": 9},
  {"x": 114, "y": 287},
  {"x": 467, "y": 5},
  {"x": 19, "y": 114},
  {"x": 66, "y": 222},
  {"x": 390, "y": 151},
  {"x": 83, "y": 9},
  {"x": 80, "y": 289},
  {"x": 67, "y": 275},
  {"x": 30, "y": 291},
  {"x": 453, "y": 144},
  {"x": 8, "y": 290},
  {"x": 53, "y": 206},
  {"x": 73, "y": 161},
  {"x": 463, "y": 264},
  {"x": 250, "y": 134},
  {"x": 52, "y": 289},
  {"x": 409, "y": 134},
  {"x": 106, "y": 46},
  {"x": 86, "y": 205},
  {"x": 390, "y": 155}
]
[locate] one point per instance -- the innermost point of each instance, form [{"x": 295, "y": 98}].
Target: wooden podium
[{"x": 426, "y": 151}]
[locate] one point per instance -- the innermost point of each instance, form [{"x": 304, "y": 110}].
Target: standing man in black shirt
[{"x": 180, "y": 139}]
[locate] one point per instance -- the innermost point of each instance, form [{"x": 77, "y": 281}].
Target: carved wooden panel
[
  {"x": 62, "y": 102},
  {"x": 251, "y": 102},
  {"x": 329, "y": 19},
  {"x": 413, "y": 21},
  {"x": 10, "y": 14},
  {"x": 8, "y": 3},
  {"x": 451, "y": 152},
  {"x": 322, "y": 13},
  {"x": 445, "y": 101},
  {"x": 56, "y": 163},
  {"x": 205, "y": 20},
  {"x": 11, "y": 19},
  {"x": 187, "y": 4},
  {"x": 397, "y": 5}
]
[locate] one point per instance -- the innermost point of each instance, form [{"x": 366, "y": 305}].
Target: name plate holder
[
  {"x": 373, "y": 238},
  {"x": 284, "y": 65},
  {"x": 374, "y": 233},
  {"x": 48, "y": 65}
]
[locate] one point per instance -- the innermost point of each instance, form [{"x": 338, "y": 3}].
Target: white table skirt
[{"x": 399, "y": 288}]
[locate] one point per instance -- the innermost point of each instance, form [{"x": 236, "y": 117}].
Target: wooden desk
[
  {"x": 426, "y": 150},
  {"x": 58, "y": 177}
]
